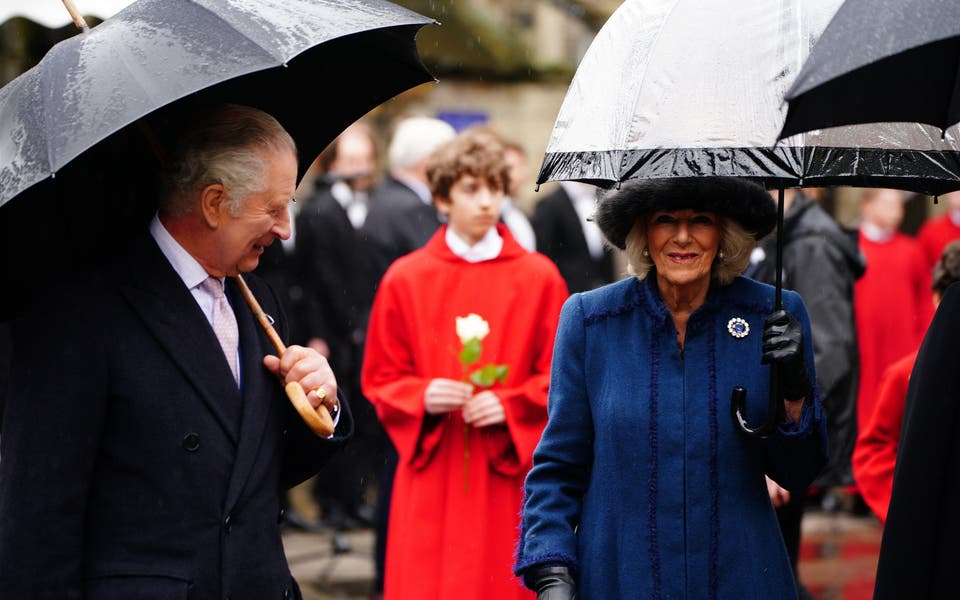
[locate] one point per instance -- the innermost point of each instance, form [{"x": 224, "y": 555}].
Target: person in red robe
[
  {"x": 875, "y": 453},
  {"x": 892, "y": 302},
  {"x": 939, "y": 231},
  {"x": 464, "y": 451}
]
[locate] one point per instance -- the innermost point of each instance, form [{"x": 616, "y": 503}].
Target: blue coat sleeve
[
  {"x": 562, "y": 461},
  {"x": 797, "y": 452}
]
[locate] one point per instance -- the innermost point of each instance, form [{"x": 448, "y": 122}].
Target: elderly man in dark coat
[{"x": 147, "y": 437}]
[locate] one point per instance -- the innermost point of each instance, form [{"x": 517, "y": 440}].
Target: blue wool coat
[{"x": 641, "y": 482}]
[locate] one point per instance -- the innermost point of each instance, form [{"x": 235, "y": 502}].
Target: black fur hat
[{"x": 739, "y": 199}]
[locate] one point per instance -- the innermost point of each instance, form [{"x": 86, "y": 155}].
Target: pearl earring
[
  {"x": 720, "y": 255},
  {"x": 644, "y": 252}
]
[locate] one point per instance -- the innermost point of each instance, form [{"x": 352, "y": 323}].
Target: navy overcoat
[{"x": 641, "y": 482}]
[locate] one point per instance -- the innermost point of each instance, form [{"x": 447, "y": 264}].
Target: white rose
[{"x": 472, "y": 326}]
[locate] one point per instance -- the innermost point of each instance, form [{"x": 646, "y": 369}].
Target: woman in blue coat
[{"x": 643, "y": 486}]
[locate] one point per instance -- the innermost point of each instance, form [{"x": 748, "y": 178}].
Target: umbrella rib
[
  {"x": 628, "y": 132},
  {"x": 280, "y": 59}
]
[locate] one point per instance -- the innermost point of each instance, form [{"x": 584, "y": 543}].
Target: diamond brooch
[{"x": 738, "y": 327}]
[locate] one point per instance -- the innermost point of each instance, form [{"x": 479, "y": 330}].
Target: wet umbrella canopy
[
  {"x": 881, "y": 60},
  {"x": 157, "y": 51},
  {"x": 688, "y": 88},
  {"x": 100, "y": 108}
]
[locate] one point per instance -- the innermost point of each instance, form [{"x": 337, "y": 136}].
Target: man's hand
[
  {"x": 484, "y": 409},
  {"x": 445, "y": 395},
  {"x": 311, "y": 370}
]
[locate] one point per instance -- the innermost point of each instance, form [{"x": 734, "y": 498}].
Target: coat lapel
[
  {"x": 259, "y": 387},
  {"x": 171, "y": 314}
]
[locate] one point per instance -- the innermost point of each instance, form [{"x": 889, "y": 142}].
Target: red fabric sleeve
[
  {"x": 391, "y": 383},
  {"x": 875, "y": 453}
]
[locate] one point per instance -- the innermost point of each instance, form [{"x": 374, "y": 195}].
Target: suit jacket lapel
[
  {"x": 259, "y": 387},
  {"x": 171, "y": 314}
]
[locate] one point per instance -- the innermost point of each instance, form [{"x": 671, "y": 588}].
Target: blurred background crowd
[{"x": 503, "y": 66}]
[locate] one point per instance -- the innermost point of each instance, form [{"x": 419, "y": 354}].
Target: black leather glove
[
  {"x": 783, "y": 345},
  {"x": 551, "y": 583}
]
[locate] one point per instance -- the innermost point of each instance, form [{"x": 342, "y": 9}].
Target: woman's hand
[
  {"x": 483, "y": 410},
  {"x": 551, "y": 583},
  {"x": 782, "y": 345},
  {"x": 445, "y": 395}
]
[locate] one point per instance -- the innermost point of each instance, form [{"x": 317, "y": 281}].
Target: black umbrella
[
  {"x": 83, "y": 132},
  {"x": 881, "y": 60},
  {"x": 687, "y": 88}
]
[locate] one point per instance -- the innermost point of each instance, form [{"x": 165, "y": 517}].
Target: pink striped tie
[{"x": 224, "y": 324}]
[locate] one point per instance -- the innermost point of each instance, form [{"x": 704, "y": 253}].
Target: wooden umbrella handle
[
  {"x": 319, "y": 421},
  {"x": 75, "y": 15}
]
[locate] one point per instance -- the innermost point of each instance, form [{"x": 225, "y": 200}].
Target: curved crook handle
[
  {"x": 739, "y": 396},
  {"x": 320, "y": 420},
  {"x": 738, "y": 399}
]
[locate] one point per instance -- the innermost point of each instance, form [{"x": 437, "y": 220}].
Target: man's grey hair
[
  {"x": 416, "y": 138},
  {"x": 227, "y": 146}
]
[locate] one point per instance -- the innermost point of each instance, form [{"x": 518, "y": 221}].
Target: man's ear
[{"x": 213, "y": 204}]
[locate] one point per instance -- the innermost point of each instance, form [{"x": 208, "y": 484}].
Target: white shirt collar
[
  {"x": 354, "y": 203},
  {"x": 486, "y": 249},
  {"x": 954, "y": 216},
  {"x": 876, "y": 234},
  {"x": 186, "y": 266},
  {"x": 417, "y": 186},
  {"x": 584, "y": 199}
]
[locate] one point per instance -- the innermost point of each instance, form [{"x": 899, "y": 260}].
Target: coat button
[
  {"x": 280, "y": 515},
  {"x": 227, "y": 524},
  {"x": 191, "y": 442}
]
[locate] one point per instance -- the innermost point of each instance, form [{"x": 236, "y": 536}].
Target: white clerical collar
[
  {"x": 487, "y": 248},
  {"x": 875, "y": 233},
  {"x": 190, "y": 271}
]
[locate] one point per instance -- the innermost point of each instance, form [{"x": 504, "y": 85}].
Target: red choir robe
[
  {"x": 893, "y": 305},
  {"x": 875, "y": 453},
  {"x": 445, "y": 541},
  {"x": 934, "y": 236}
]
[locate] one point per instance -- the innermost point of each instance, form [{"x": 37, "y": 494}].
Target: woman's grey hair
[
  {"x": 736, "y": 244},
  {"x": 226, "y": 146}
]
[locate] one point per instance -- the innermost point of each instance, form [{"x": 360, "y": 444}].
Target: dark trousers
[
  {"x": 384, "y": 493},
  {"x": 789, "y": 515}
]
